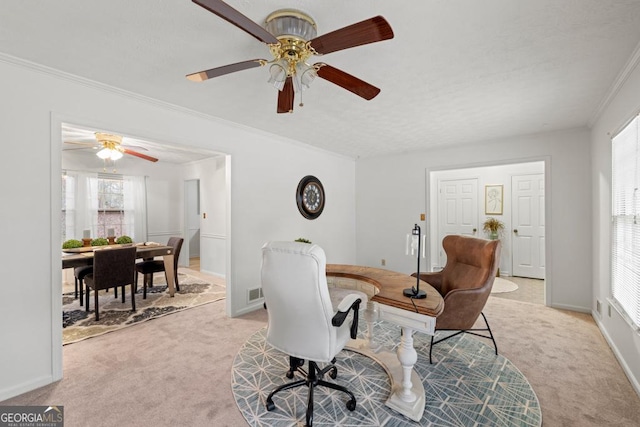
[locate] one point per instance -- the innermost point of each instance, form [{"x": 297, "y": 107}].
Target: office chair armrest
[{"x": 350, "y": 302}]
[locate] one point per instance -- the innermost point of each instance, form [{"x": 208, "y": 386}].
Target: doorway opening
[{"x": 461, "y": 199}]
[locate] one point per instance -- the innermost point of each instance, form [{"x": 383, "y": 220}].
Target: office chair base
[
  {"x": 312, "y": 379},
  {"x": 465, "y": 331}
]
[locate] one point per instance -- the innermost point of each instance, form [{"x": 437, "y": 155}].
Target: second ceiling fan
[{"x": 291, "y": 37}]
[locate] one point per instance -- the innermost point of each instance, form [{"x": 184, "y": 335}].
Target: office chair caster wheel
[
  {"x": 351, "y": 405},
  {"x": 271, "y": 406},
  {"x": 333, "y": 373}
]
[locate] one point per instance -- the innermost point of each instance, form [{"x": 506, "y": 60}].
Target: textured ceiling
[{"x": 456, "y": 71}]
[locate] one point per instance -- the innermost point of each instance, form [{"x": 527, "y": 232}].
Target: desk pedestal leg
[
  {"x": 168, "y": 268},
  {"x": 408, "y": 395}
]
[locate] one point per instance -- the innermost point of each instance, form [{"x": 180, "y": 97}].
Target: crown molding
[
  {"x": 43, "y": 69},
  {"x": 63, "y": 75},
  {"x": 619, "y": 81}
]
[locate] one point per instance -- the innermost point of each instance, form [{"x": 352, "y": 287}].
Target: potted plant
[
  {"x": 124, "y": 240},
  {"x": 72, "y": 244},
  {"x": 494, "y": 227},
  {"x": 100, "y": 241}
]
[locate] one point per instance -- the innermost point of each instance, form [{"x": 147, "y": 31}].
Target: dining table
[{"x": 79, "y": 257}]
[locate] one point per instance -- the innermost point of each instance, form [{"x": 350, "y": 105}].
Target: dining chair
[
  {"x": 79, "y": 274},
  {"x": 112, "y": 267},
  {"x": 150, "y": 266}
]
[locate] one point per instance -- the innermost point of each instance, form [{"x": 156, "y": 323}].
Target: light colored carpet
[
  {"x": 79, "y": 324},
  {"x": 176, "y": 370},
  {"x": 468, "y": 385},
  {"x": 501, "y": 285}
]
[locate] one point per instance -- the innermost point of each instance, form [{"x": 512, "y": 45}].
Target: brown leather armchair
[{"x": 465, "y": 284}]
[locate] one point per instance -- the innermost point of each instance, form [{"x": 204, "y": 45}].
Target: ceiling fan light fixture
[
  {"x": 278, "y": 74},
  {"x": 307, "y": 75},
  {"x": 109, "y": 154},
  {"x": 291, "y": 23},
  {"x": 111, "y": 146}
]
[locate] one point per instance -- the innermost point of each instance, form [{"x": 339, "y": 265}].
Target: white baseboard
[
  {"x": 572, "y": 308},
  {"x": 8, "y": 393},
  {"x": 249, "y": 309},
  {"x": 213, "y": 273},
  {"x": 625, "y": 367}
]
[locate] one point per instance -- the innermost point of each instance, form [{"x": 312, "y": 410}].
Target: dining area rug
[
  {"x": 467, "y": 385},
  {"x": 78, "y": 324}
]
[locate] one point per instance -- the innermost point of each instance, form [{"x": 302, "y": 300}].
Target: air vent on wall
[{"x": 255, "y": 294}]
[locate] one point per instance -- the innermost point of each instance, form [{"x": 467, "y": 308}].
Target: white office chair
[{"x": 302, "y": 322}]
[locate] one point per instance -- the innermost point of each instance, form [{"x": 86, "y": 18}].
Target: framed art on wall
[{"x": 493, "y": 199}]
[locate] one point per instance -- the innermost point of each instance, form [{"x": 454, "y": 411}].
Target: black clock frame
[{"x": 304, "y": 182}]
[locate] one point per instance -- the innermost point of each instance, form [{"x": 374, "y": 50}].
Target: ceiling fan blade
[
  {"x": 285, "y": 97},
  {"x": 142, "y": 156},
  {"x": 84, "y": 144},
  {"x": 347, "y": 81},
  {"x": 227, "y": 69},
  {"x": 368, "y": 31},
  {"x": 236, "y": 18},
  {"x": 134, "y": 147}
]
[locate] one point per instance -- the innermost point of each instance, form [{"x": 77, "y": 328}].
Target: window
[
  {"x": 98, "y": 202},
  {"x": 625, "y": 233},
  {"x": 110, "y": 205}
]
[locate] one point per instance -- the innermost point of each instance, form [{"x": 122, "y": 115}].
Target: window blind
[{"x": 625, "y": 251}]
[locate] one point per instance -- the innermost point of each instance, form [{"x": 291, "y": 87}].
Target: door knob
[
  {"x": 515, "y": 230},
  {"x": 474, "y": 230}
]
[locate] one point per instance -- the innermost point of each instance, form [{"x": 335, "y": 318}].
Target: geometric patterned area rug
[
  {"x": 79, "y": 324},
  {"x": 467, "y": 385}
]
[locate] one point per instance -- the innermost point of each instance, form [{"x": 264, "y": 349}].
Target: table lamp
[{"x": 413, "y": 242}]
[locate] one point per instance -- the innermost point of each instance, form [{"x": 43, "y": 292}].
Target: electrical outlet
[
  {"x": 598, "y": 308},
  {"x": 422, "y": 217},
  {"x": 609, "y": 307},
  {"x": 383, "y": 262}
]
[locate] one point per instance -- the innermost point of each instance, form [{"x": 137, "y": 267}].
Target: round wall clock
[{"x": 310, "y": 197}]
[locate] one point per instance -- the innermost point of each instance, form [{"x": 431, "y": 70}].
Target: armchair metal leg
[
  {"x": 465, "y": 331},
  {"x": 490, "y": 333}
]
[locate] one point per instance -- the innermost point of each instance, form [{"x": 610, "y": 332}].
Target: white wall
[
  {"x": 624, "y": 341},
  {"x": 264, "y": 173},
  {"x": 391, "y": 194},
  {"x": 489, "y": 175}
]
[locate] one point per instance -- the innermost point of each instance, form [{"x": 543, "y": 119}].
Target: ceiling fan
[
  {"x": 291, "y": 37},
  {"x": 111, "y": 147}
]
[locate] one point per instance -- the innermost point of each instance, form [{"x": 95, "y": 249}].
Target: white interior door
[
  {"x": 457, "y": 210},
  {"x": 528, "y": 225}
]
